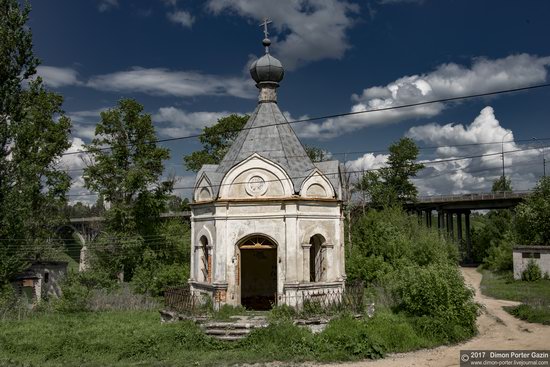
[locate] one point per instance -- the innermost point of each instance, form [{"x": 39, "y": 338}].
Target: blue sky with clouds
[{"x": 186, "y": 62}]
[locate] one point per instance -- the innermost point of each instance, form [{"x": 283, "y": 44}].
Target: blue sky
[{"x": 186, "y": 62}]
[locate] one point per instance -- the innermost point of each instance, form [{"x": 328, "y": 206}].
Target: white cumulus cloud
[
  {"x": 182, "y": 18},
  {"x": 446, "y": 81},
  {"x": 446, "y": 172},
  {"x": 475, "y": 174},
  {"x": 164, "y": 82},
  {"x": 313, "y": 29},
  {"x": 174, "y": 122},
  {"x": 58, "y": 76}
]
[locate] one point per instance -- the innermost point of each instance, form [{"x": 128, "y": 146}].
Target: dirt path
[{"x": 497, "y": 330}]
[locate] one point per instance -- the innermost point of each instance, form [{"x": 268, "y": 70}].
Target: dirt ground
[{"x": 497, "y": 330}]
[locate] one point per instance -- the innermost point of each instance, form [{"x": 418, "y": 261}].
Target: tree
[
  {"x": 532, "y": 220},
  {"x": 502, "y": 184},
  {"x": 215, "y": 141},
  {"x": 34, "y": 133},
  {"x": 316, "y": 154},
  {"x": 391, "y": 184},
  {"x": 177, "y": 204},
  {"x": 127, "y": 175}
]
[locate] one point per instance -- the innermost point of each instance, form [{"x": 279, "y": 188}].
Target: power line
[
  {"x": 439, "y": 161},
  {"x": 381, "y": 150},
  {"x": 309, "y": 119}
]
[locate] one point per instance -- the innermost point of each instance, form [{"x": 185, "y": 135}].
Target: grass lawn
[
  {"x": 127, "y": 338},
  {"x": 535, "y": 296}
]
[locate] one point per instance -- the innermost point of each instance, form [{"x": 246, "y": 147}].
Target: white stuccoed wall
[
  {"x": 520, "y": 263},
  {"x": 289, "y": 220}
]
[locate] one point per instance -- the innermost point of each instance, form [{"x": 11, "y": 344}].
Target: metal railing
[
  {"x": 184, "y": 301},
  {"x": 314, "y": 302},
  {"x": 327, "y": 301},
  {"x": 474, "y": 196}
]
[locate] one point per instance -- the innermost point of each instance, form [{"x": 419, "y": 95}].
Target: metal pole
[
  {"x": 502, "y": 151},
  {"x": 543, "y": 158}
]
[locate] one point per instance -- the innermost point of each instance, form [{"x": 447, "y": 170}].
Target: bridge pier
[
  {"x": 448, "y": 205},
  {"x": 468, "y": 236},
  {"x": 459, "y": 227},
  {"x": 428, "y": 218}
]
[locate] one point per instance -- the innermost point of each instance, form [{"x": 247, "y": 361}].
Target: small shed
[
  {"x": 42, "y": 279},
  {"x": 523, "y": 254}
]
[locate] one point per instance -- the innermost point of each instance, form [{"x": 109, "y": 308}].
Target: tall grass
[{"x": 137, "y": 338}]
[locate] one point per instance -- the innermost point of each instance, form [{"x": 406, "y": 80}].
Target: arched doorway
[{"x": 258, "y": 272}]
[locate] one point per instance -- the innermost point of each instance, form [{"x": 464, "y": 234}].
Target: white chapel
[{"x": 267, "y": 222}]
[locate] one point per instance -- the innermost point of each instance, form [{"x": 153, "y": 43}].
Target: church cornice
[{"x": 267, "y": 200}]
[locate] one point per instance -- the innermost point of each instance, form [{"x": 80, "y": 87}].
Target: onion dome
[{"x": 267, "y": 69}]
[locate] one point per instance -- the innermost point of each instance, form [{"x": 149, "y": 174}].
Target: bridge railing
[{"x": 474, "y": 196}]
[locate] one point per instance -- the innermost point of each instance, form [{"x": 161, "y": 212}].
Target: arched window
[
  {"x": 206, "y": 260},
  {"x": 317, "y": 261}
]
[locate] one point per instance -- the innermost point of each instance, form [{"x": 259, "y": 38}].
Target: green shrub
[
  {"x": 436, "y": 294},
  {"x": 539, "y": 313},
  {"x": 226, "y": 311},
  {"x": 155, "y": 277},
  {"x": 75, "y": 296},
  {"x": 281, "y": 339},
  {"x": 281, "y": 313},
  {"x": 499, "y": 257},
  {"x": 388, "y": 239},
  {"x": 370, "y": 268},
  {"x": 346, "y": 337},
  {"x": 532, "y": 272},
  {"x": 95, "y": 279}
]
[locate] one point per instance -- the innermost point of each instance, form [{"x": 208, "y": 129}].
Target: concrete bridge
[
  {"x": 87, "y": 229},
  {"x": 452, "y": 208}
]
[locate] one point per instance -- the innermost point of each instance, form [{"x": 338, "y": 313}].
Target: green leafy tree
[
  {"x": 128, "y": 176},
  {"x": 34, "y": 133},
  {"x": 317, "y": 154},
  {"x": 391, "y": 185},
  {"x": 215, "y": 141},
  {"x": 532, "y": 220},
  {"x": 502, "y": 184}
]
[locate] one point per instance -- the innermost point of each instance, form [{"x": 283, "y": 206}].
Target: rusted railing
[
  {"x": 182, "y": 300},
  {"x": 314, "y": 302},
  {"x": 327, "y": 301}
]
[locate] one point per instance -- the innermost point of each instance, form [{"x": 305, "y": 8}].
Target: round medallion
[{"x": 256, "y": 186}]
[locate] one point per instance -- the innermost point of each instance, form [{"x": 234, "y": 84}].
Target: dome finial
[{"x": 266, "y": 41}]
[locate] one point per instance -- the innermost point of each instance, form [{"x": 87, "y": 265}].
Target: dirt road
[{"x": 497, "y": 330}]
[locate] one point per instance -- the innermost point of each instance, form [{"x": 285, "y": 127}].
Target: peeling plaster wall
[{"x": 257, "y": 198}]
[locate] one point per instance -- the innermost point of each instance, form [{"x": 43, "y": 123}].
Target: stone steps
[{"x": 231, "y": 330}]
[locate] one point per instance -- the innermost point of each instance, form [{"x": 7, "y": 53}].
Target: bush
[
  {"x": 281, "y": 339},
  {"x": 388, "y": 239},
  {"x": 226, "y": 311},
  {"x": 532, "y": 272},
  {"x": 75, "y": 295},
  {"x": 155, "y": 277},
  {"x": 281, "y": 313},
  {"x": 532, "y": 220},
  {"x": 499, "y": 257},
  {"x": 436, "y": 294},
  {"x": 346, "y": 337}
]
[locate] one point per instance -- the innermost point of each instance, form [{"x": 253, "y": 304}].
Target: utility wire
[
  {"x": 408, "y": 105},
  {"x": 439, "y": 161},
  {"x": 378, "y": 151}
]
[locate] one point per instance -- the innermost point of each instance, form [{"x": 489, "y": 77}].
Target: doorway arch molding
[{"x": 257, "y": 241}]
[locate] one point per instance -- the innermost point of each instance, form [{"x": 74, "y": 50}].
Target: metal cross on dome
[
  {"x": 266, "y": 42},
  {"x": 264, "y": 25}
]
